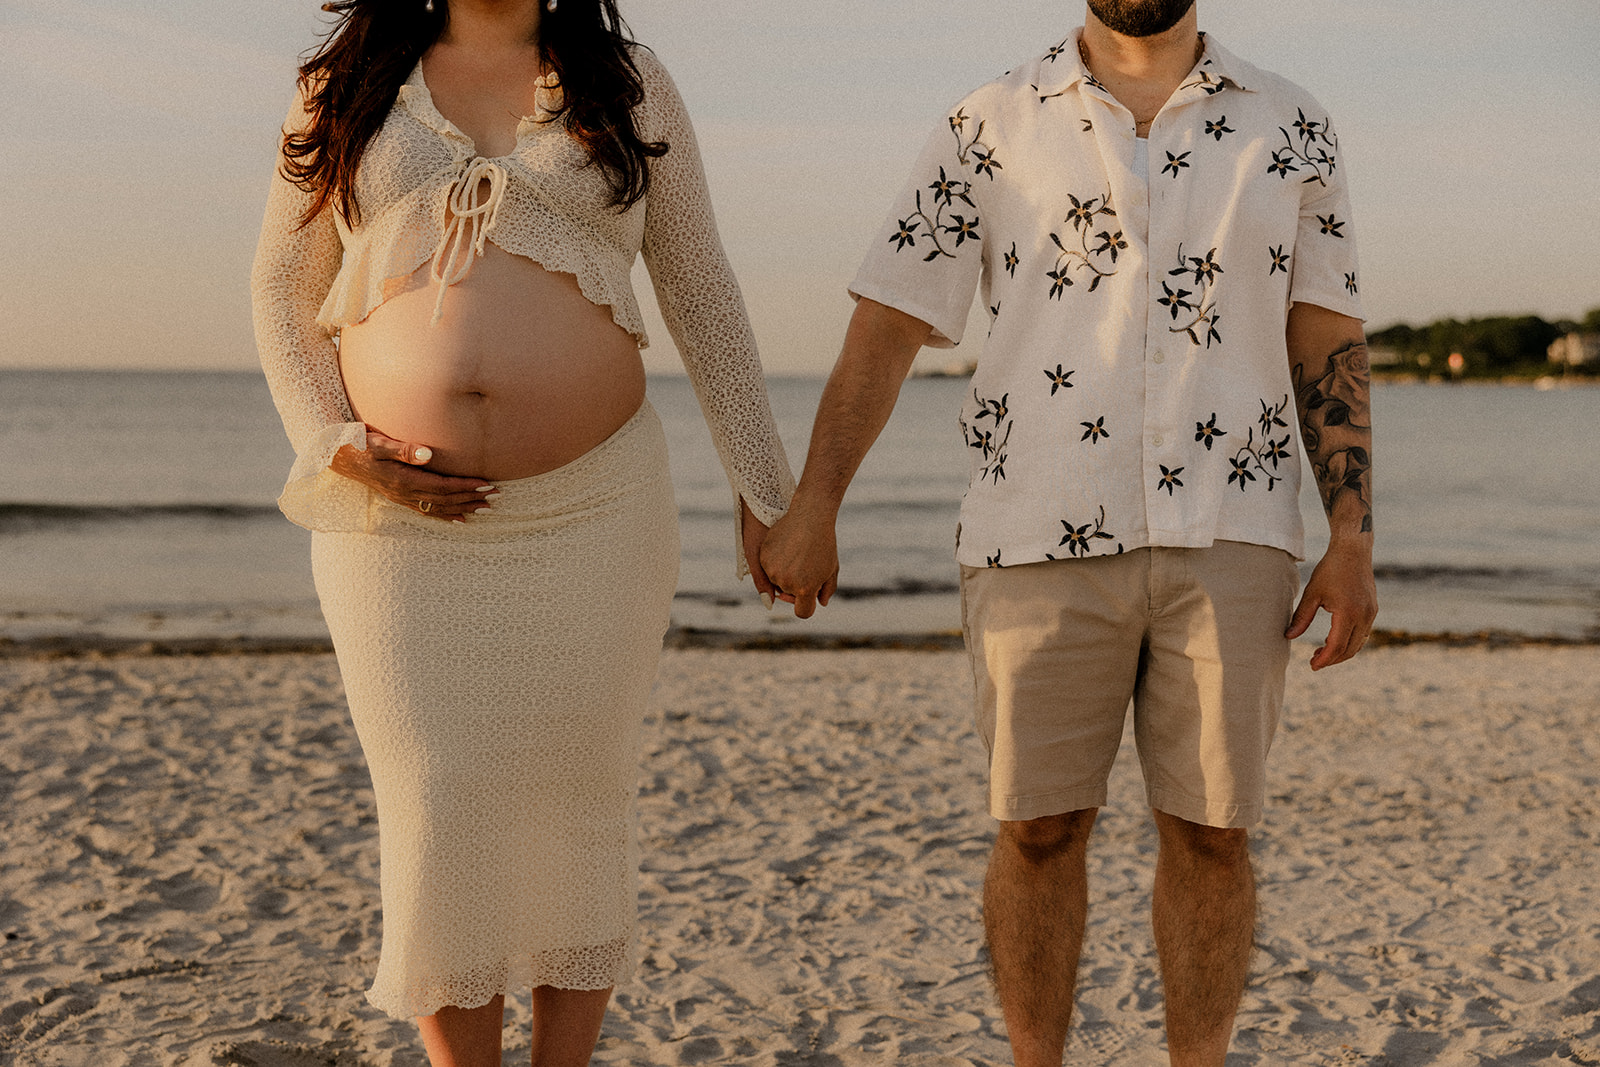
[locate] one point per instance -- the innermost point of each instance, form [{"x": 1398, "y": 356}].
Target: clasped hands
[{"x": 797, "y": 560}]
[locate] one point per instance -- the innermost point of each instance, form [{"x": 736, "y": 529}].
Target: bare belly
[{"x": 520, "y": 376}]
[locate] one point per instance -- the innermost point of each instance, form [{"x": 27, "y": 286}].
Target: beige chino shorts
[{"x": 1191, "y": 637}]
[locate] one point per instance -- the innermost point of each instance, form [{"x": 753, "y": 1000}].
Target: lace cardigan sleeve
[
  {"x": 294, "y": 268},
  {"x": 704, "y": 310}
]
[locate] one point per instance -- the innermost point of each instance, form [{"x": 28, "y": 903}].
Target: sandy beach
[{"x": 190, "y": 868}]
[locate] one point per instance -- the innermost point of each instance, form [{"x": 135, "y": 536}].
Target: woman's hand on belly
[{"x": 391, "y": 469}]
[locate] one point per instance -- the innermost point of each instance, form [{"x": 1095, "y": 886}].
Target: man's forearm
[
  {"x": 857, "y": 401},
  {"x": 1333, "y": 394}
]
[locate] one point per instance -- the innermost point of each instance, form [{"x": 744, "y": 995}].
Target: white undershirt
[{"x": 1141, "y": 168}]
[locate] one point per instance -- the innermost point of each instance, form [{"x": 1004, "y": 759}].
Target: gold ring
[{"x": 424, "y": 506}]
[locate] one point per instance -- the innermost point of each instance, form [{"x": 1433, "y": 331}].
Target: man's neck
[{"x": 1141, "y": 72}]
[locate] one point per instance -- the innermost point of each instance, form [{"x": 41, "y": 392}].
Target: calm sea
[{"x": 141, "y": 505}]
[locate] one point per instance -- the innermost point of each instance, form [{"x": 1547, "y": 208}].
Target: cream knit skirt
[{"x": 497, "y": 673}]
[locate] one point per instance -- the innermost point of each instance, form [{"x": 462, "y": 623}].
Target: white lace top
[{"x": 544, "y": 202}]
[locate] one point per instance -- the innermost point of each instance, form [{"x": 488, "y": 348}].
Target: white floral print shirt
[{"x": 1135, "y": 387}]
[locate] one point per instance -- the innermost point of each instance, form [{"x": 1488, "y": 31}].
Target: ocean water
[{"x": 140, "y": 505}]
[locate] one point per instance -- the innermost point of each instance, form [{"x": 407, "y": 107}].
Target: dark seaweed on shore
[{"x": 91, "y": 646}]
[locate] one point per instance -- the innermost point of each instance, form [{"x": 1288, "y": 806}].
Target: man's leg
[
  {"x": 1208, "y": 705},
  {"x": 1035, "y": 903},
  {"x": 1204, "y": 915}
]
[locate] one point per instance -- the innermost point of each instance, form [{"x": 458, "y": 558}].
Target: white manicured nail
[
  {"x": 481, "y": 511},
  {"x": 484, "y": 489},
  {"x": 424, "y": 454},
  {"x": 493, "y": 496},
  {"x": 766, "y": 598}
]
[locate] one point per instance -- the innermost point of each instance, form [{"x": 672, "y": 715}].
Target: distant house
[{"x": 1576, "y": 350}]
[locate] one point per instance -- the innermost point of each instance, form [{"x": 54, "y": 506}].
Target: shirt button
[
  {"x": 1156, "y": 440},
  {"x": 1160, "y": 357}
]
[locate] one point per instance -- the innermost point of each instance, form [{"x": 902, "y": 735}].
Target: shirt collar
[
  {"x": 415, "y": 98},
  {"x": 1062, "y": 69}
]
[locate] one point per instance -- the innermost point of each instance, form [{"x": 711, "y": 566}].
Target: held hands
[
  {"x": 755, "y": 538},
  {"x": 755, "y": 534},
  {"x": 1343, "y": 585},
  {"x": 392, "y": 469},
  {"x": 800, "y": 559}
]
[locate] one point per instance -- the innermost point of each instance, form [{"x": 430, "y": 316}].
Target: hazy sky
[{"x": 136, "y": 139}]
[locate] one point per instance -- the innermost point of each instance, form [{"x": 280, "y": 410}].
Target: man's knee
[
  {"x": 1217, "y": 846},
  {"x": 1049, "y": 836}
]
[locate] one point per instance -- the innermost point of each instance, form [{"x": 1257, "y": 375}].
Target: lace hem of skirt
[{"x": 582, "y": 967}]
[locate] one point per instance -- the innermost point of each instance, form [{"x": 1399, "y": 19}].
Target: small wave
[{"x": 16, "y": 518}]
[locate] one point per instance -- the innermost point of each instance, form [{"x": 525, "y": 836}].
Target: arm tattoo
[{"x": 1333, "y": 396}]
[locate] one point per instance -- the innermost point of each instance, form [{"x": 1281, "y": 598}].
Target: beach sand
[{"x": 190, "y": 869}]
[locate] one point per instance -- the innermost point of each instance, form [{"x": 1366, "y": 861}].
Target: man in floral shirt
[{"x": 1161, "y": 234}]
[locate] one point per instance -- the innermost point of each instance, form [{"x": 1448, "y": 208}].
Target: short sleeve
[
  {"x": 1323, "y": 271},
  {"x": 927, "y": 259}
]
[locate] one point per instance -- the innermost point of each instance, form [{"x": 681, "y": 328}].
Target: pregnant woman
[{"x": 444, "y": 313}]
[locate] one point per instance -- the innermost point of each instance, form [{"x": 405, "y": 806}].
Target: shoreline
[{"x": 100, "y": 646}]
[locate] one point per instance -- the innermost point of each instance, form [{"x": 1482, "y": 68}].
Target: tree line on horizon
[{"x": 1492, "y": 347}]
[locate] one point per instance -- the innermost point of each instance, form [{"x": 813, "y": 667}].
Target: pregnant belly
[{"x": 521, "y": 374}]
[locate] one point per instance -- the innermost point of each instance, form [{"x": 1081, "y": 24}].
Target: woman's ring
[{"x": 424, "y": 506}]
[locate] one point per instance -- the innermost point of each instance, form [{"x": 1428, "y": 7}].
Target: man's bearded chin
[{"x": 1140, "y": 18}]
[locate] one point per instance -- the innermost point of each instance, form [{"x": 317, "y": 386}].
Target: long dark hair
[{"x": 351, "y": 82}]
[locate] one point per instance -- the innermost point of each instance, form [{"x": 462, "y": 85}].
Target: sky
[{"x": 137, "y": 138}]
